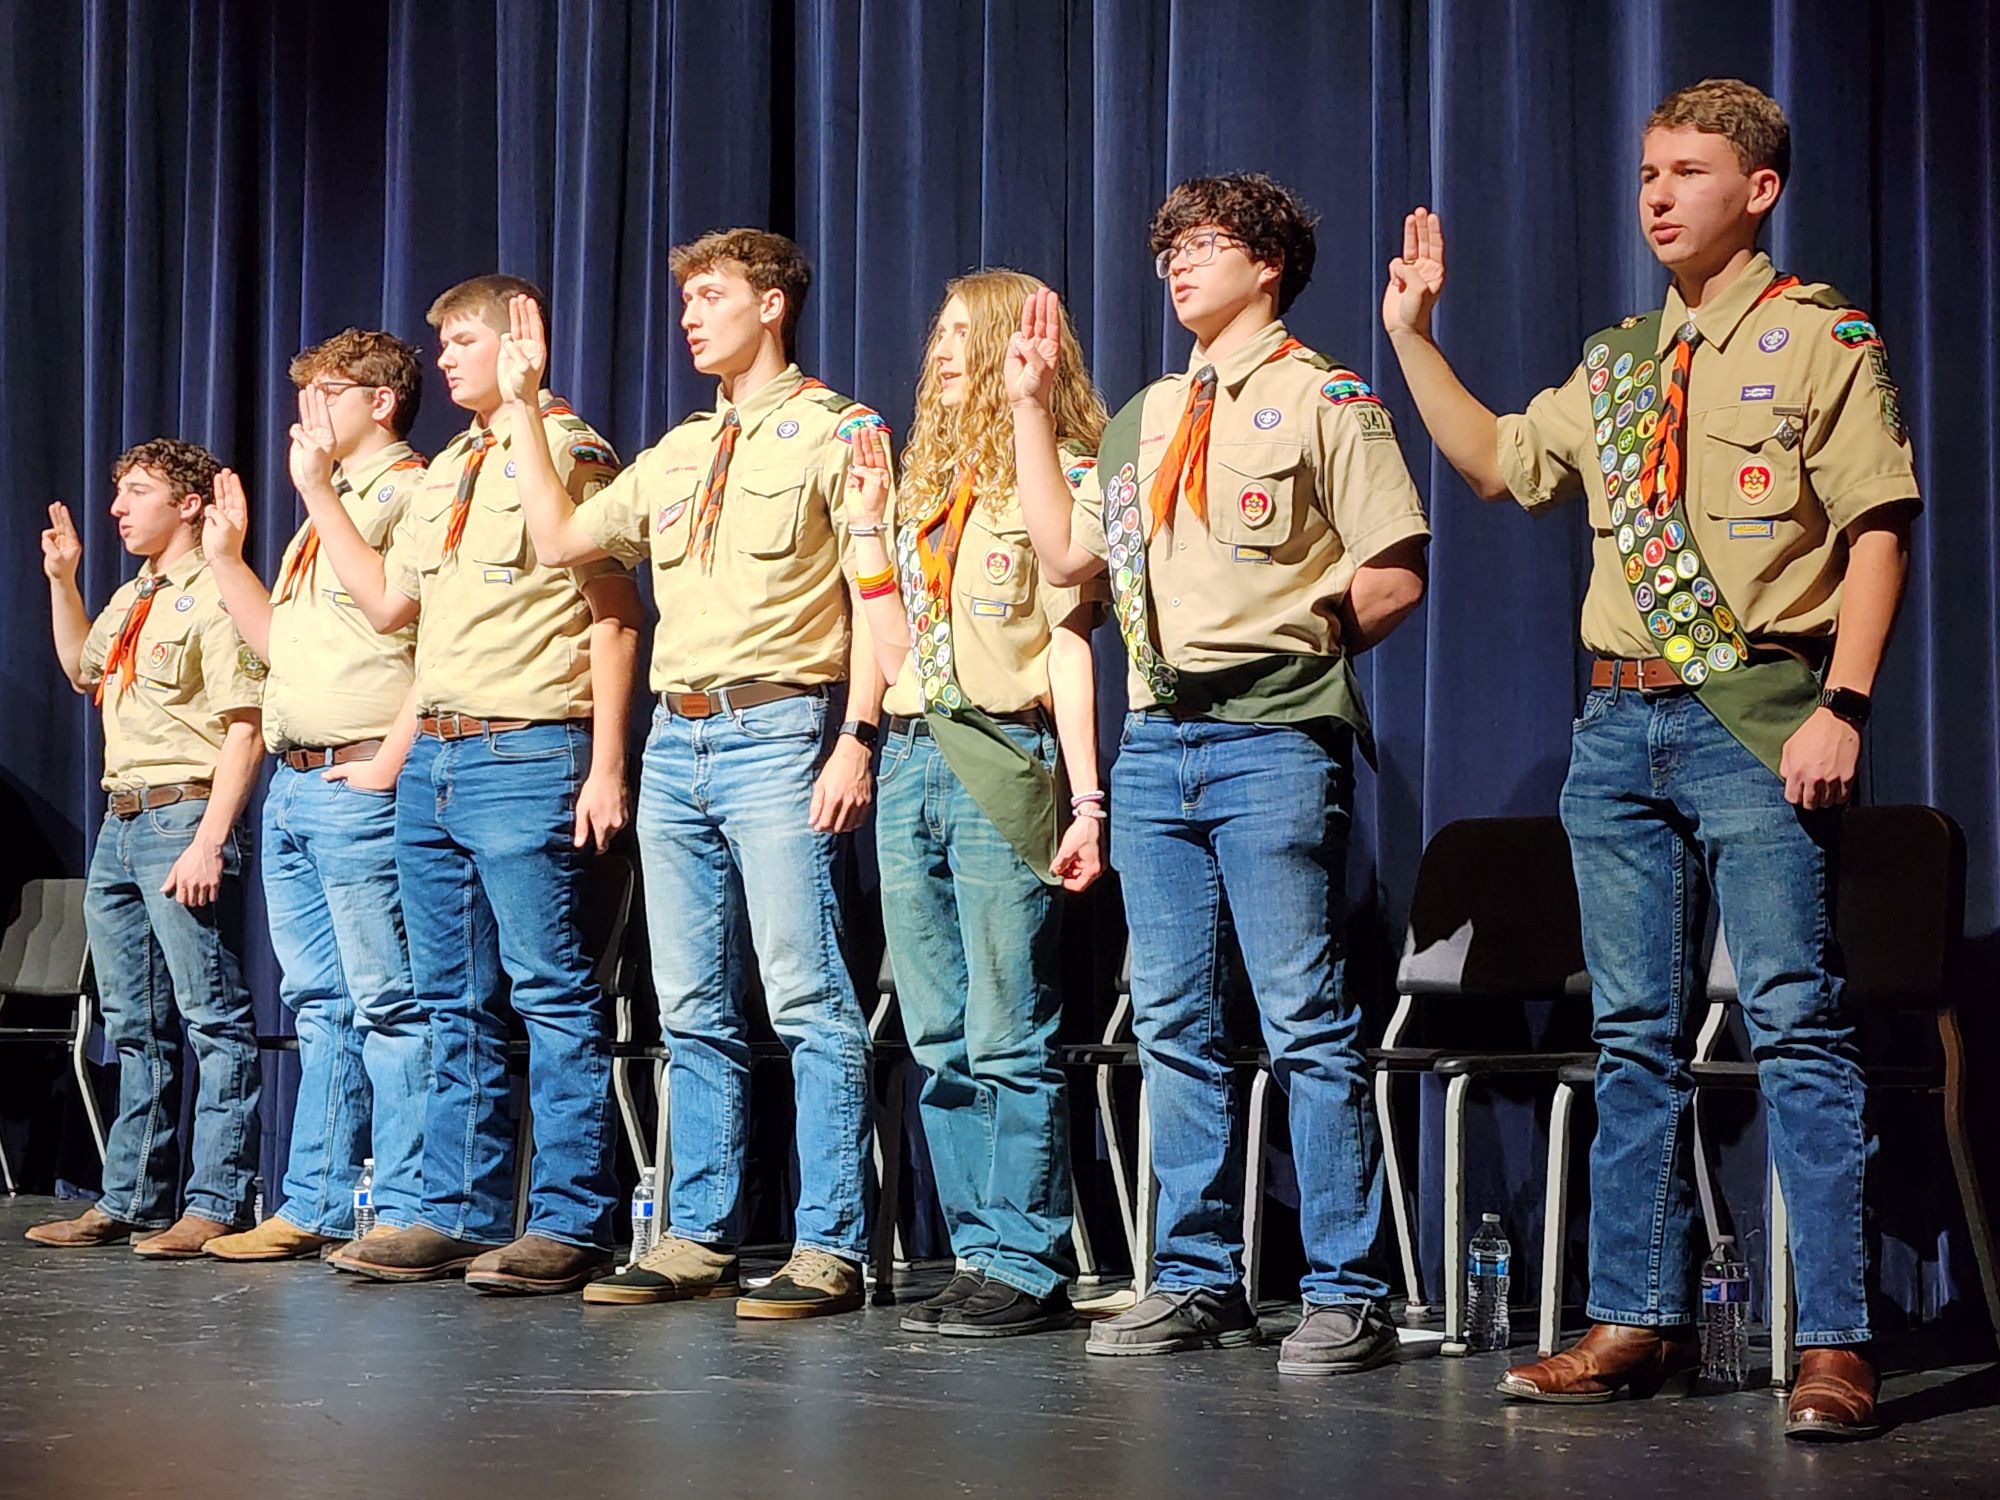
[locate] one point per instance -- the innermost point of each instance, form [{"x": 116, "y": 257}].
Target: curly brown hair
[
  {"x": 1270, "y": 219},
  {"x": 1741, "y": 113},
  {"x": 188, "y": 467},
  {"x": 368, "y": 357},
  {"x": 763, "y": 259}
]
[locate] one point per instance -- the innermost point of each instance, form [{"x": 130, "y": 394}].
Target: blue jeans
[
  {"x": 973, "y": 935},
  {"x": 336, "y": 915},
  {"x": 1258, "y": 813},
  {"x": 493, "y": 887},
  {"x": 723, "y": 836},
  {"x": 1663, "y": 805},
  {"x": 159, "y": 964}
]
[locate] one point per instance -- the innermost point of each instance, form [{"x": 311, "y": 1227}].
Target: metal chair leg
[
  {"x": 1107, "y": 1119},
  {"x": 1784, "y": 1304},
  {"x": 1970, "y": 1198},
  {"x": 1555, "y": 1220},
  {"x": 524, "y": 1162},
  {"x": 7, "y": 1172},
  {"x": 1392, "y": 1160},
  {"x": 1079, "y": 1238},
  {"x": 1454, "y": 1213},
  {"x": 1704, "y": 1172},
  {"x": 885, "y": 1239},
  {"x": 1253, "y": 1184},
  {"x": 1147, "y": 1193},
  {"x": 80, "y": 1064},
  {"x": 621, "y": 1086},
  {"x": 663, "y": 1126},
  {"x": 884, "y": 1168}
]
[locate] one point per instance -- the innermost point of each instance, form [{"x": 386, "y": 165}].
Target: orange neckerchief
[
  {"x": 1189, "y": 449},
  {"x": 124, "y": 653},
  {"x": 938, "y": 536}
]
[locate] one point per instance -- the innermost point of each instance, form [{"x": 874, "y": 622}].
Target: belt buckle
[
  {"x": 450, "y": 726},
  {"x": 699, "y": 705}
]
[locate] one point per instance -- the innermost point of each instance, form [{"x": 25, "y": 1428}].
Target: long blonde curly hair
[{"x": 981, "y": 426}]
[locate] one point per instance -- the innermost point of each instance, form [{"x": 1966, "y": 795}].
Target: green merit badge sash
[
  {"x": 1640, "y": 409},
  {"x": 1009, "y": 783},
  {"x": 1278, "y": 689}
]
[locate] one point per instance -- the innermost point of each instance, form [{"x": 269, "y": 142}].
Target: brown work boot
[
  {"x": 90, "y": 1228},
  {"x": 1833, "y": 1397},
  {"x": 274, "y": 1239},
  {"x": 534, "y": 1265},
  {"x": 812, "y": 1284},
  {"x": 187, "y": 1238},
  {"x": 413, "y": 1254},
  {"x": 1609, "y": 1358}
]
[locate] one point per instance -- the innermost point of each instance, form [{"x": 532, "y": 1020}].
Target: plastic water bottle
[
  {"x": 256, "y": 1200},
  {"x": 642, "y": 1215},
  {"x": 1486, "y": 1283},
  {"x": 1725, "y": 1319},
  {"x": 364, "y": 1199}
]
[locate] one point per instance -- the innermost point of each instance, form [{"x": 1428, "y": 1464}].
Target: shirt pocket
[
  {"x": 495, "y": 532},
  {"x": 672, "y": 526},
  {"x": 1253, "y": 494},
  {"x": 163, "y": 662},
  {"x": 433, "y": 512},
  {"x": 762, "y": 515},
  {"x": 994, "y": 572},
  {"x": 1745, "y": 471}
]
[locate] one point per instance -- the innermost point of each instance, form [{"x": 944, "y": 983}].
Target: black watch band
[
  {"x": 1847, "y": 705},
  {"x": 867, "y": 733}
]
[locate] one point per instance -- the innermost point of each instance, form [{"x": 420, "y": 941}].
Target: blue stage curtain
[{"x": 188, "y": 193}]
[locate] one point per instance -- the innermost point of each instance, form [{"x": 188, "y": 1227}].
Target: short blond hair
[{"x": 1741, "y": 113}]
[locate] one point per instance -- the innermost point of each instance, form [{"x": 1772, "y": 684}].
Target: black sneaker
[
  {"x": 923, "y": 1316},
  {"x": 1174, "y": 1322},
  {"x": 1000, "y": 1311}
]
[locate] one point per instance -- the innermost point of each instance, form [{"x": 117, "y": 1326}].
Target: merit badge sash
[{"x": 1125, "y": 528}]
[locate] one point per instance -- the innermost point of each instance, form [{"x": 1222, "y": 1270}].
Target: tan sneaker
[
  {"x": 274, "y": 1239},
  {"x": 813, "y": 1284},
  {"x": 675, "y": 1270}
]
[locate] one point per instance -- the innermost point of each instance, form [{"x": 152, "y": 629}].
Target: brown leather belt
[
  {"x": 722, "y": 700},
  {"x": 1034, "y": 718},
  {"x": 1655, "y": 675},
  {"x": 318, "y": 759},
  {"x": 465, "y": 727},
  {"x": 131, "y": 804}
]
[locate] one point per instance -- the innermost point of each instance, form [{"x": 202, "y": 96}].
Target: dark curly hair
[
  {"x": 188, "y": 467},
  {"x": 1270, "y": 219},
  {"x": 372, "y": 358}
]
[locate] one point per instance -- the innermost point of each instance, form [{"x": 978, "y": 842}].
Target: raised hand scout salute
[
  {"x": 1260, "y": 530},
  {"x": 739, "y": 512},
  {"x": 523, "y": 685},
  {"x": 1743, "y": 461},
  {"x": 180, "y": 694},
  {"x": 334, "y": 716}
]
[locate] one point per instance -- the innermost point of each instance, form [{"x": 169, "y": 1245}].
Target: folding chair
[{"x": 45, "y": 955}]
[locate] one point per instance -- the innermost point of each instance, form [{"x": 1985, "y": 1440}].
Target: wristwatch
[
  {"x": 868, "y": 734},
  {"x": 1847, "y": 705}
]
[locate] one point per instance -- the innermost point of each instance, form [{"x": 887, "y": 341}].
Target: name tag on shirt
[
  {"x": 990, "y": 608},
  {"x": 1752, "y": 531},
  {"x": 499, "y": 575},
  {"x": 339, "y": 596},
  {"x": 1250, "y": 554}
]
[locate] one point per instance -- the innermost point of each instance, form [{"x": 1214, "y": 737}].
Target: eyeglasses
[
  {"x": 1198, "y": 249},
  {"x": 333, "y": 388}
]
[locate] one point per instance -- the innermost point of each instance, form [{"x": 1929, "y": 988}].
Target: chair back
[
  {"x": 44, "y": 949},
  {"x": 1495, "y": 913}
]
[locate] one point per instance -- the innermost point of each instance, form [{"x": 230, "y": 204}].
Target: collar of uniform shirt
[
  {"x": 501, "y": 428},
  {"x": 771, "y": 395},
  {"x": 1236, "y": 367},
  {"x": 363, "y": 475},
  {"x": 1721, "y": 318}
]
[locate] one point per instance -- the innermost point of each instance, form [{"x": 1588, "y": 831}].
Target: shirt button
[
  {"x": 1175, "y": 602},
  {"x": 1183, "y": 546}
]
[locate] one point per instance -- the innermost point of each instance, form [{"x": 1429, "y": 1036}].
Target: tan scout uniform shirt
[
  {"x": 192, "y": 668},
  {"x": 1793, "y": 433},
  {"x": 1305, "y": 484},
  {"x": 334, "y": 679},
  {"x": 1003, "y": 611},
  {"x": 501, "y": 636},
  {"x": 774, "y": 607}
]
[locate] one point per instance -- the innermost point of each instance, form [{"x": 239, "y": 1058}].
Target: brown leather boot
[
  {"x": 90, "y": 1228},
  {"x": 274, "y": 1239},
  {"x": 535, "y": 1265},
  {"x": 185, "y": 1241},
  {"x": 1833, "y": 1397},
  {"x": 413, "y": 1254},
  {"x": 1606, "y": 1360}
]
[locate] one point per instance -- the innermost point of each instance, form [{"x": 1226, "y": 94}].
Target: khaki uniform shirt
[
  {"x": 1794, "y": 431},
  {"x": 334, "y": 679},
  {"x": 192, "y": 669},
  {"x": 774, "y": 606},
  {"x": 1305, "y": 485},
  {"x": 501, "y": 636},
  {"x": 1003, "y": 610}
]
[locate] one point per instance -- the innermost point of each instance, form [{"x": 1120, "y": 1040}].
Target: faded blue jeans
[
  {"x": 724, "y": 840},
  {"x": 1664, "y": 806},
  {"x": 973, "y": 935},
  {"x": 336, "y": 916},
  {"x": 1259, "y": 813},
  {"x": 159, "y": 964}
]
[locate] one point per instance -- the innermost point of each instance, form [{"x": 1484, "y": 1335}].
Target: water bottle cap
[
  {"x": 1489, "y": 1218},
  {"x": 368, "y": 1163},
  {"x": 646, "y": 1175}
]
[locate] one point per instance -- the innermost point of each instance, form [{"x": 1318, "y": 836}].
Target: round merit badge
[
  {"x": 788, "y": 428},
  {"x": 1754, "y": 481},
  {"x": 1624, "y": 365},
  {"x": 999, "y": 566},
  {"x": 1599, "y": 381},
  {"x": 183, "y": 604},
  {"x": 1255, "y": 504},
  {"x": 1771, "y": 340},
  {"x": 384, "y": 495},
  {"x": 1268, "y": 417},
  {"x": 509, "y": 470},
  {"x": 1597, "y": 356},
  {"x": 159, "y": 653}
]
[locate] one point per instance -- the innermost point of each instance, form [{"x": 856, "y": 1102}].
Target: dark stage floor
[{"x": 120, "y": 1378}]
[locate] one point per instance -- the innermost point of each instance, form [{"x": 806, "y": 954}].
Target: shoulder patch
[
  {"x": 251, "y": 665},
  {"x": 1853, "y": 329},
  {"x": 1347, "y": 387},
  {"x": 593, "y": 450},
  {"x": 1077, "y": 467},
  {"x": 859, "y": 418}
]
